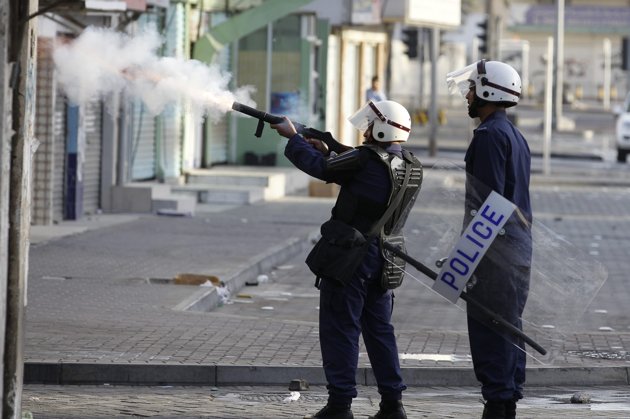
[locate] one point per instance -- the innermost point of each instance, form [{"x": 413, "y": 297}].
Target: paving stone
[{"x": 101, "y": 314}]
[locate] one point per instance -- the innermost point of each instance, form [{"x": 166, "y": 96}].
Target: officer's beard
[
  {"x": 473, "y": 108},
  {"x": 369, "y": 139}
]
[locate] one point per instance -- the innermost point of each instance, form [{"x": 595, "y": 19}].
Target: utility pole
[
  {"x": 433, "y": 117},
  {"x": 494, "y": 27},
  {"x": 559, "y": 56},
  {"x": 607, "y": 48},
  {"x": 547, "y": 120},
  {"x": 22, "y": 54},
  {"x": 422, "y": 35},
  {"x": 5, "y": 164}
]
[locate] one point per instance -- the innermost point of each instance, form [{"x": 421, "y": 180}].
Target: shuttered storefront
[
  {"x": 142, "y": 130},
  {"x": 217, "y": 141},
  {"x": 171, "y": 119},
  {"x": 216, "y": 132},
  {"x": 93, "y": 125},
  {"x": 59, "y": 157},
  {"x": 142, "y": 141}
]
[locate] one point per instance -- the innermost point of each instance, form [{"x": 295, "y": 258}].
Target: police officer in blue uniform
[
  {"x": 498, "y": 158},
  {"x": 370, "y": 175}
]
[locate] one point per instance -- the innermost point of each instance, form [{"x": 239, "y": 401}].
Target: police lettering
[
  {"x": 466, "y": 256},
  {"x": 472, "y": 246},
  {"x": 490, "y": 217},
  {"x": 476, "y": 229},
  {"x": 449, "y": 279}
]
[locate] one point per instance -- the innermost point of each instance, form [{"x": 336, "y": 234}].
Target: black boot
[
  {"x": 390, "y": 410},
  {"x": 510, "y": 410},
  {"x": 333, "y": 411},
  {"x": 494, "y": 410}
]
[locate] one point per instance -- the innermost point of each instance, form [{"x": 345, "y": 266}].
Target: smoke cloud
[{"x": 102, "y": 61}]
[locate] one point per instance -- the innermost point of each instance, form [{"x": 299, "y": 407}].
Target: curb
[
  {"x": 234, "y": 375},
  {"x": 207, "y": 299},
  {"x": 538, "y": 179}
]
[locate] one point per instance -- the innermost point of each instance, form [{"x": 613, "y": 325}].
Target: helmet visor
[
  {"x": 362, "y": 118},
  {"x": 459, "y": 81}
]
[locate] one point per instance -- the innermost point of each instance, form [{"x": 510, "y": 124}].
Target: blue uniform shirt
[
  {"x": 499, "y": 158},
  {"x": 371, "y": 181}
]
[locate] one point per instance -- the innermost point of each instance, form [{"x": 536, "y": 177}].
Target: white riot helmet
[
  {"x": 494, "y": 81},
  {"x": 392, "y": 121}
]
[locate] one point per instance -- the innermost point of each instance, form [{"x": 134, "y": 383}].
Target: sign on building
[{"x": 442, "y": 13}]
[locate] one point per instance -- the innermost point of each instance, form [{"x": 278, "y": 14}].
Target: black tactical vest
[{"x": 363, "y": 215}]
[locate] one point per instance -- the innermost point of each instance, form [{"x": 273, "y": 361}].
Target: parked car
[{"x": 622, "y": 130}]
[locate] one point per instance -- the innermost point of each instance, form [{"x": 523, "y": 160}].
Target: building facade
[{"x": 309, "y": 59}]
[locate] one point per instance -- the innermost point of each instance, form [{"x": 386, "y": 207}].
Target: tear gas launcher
[{"x": 326, "y": 137}]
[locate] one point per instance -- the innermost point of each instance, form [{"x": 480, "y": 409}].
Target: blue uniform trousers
[
  {"x": 498, "y": 358},
  {"x": 362, "y": 306},
  {"x": 499, "y": 363}
]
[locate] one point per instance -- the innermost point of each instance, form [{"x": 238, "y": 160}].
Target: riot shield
[{"x": 480, "y": 253}]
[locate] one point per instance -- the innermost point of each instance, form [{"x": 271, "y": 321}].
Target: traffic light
[
  {"x": 410, "y": 39},
  {"x": 483, "y": 36}
]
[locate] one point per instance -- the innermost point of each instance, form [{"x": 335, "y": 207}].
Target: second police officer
[{"x": 498, "y": 158}]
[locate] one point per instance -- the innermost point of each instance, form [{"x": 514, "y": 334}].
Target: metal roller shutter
[
  {"x": 171, "y": 141},
  {"x": 92, "y": 165},
  {"x": 142, "y": 153},
  {"x": 170, "y": 152},
  {"x": 142, "y": 143},
  {"x": 217, "y": 131},
  {"x": 59, "y": 157},
  {"x": 217, "y": 142}
]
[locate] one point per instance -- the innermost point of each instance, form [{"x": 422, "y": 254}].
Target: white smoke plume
[{"x": 102, "y": 61}]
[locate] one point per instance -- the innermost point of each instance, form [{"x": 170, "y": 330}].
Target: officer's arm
[
  {"x": 490, "y": 158},
  {"x": 342, "y": 167},
  {"x": 326, "y": 143},
  {"x": 305, "y": 157},
  {"x": 337, "y": 168}
]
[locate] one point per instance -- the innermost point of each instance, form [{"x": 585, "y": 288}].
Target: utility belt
[{"x": 342, "y": 248}]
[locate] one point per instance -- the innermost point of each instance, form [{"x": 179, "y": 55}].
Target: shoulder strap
[
  {"x": 408, "y": 156},
  {"x": 384, "y": 155},
  {"x": 394, "y": 205}
]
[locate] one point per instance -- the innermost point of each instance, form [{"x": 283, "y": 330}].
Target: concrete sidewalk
[
  {"x": 103, "y": 308},
  {"x": 276, "y": 402}
]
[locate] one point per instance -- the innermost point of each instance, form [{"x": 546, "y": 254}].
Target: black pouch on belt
[{"x": 338, "y": 253}]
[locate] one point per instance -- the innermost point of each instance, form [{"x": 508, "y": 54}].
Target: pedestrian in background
[
  {"x": 498, "y": 158},
  {"x": 379, "y": 181},
  {"x": 374, "y": 93}
]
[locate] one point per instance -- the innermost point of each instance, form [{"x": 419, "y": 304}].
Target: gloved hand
[
  {"x": 285, "y": 128},
  {"x": 318, "y": 145}
]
